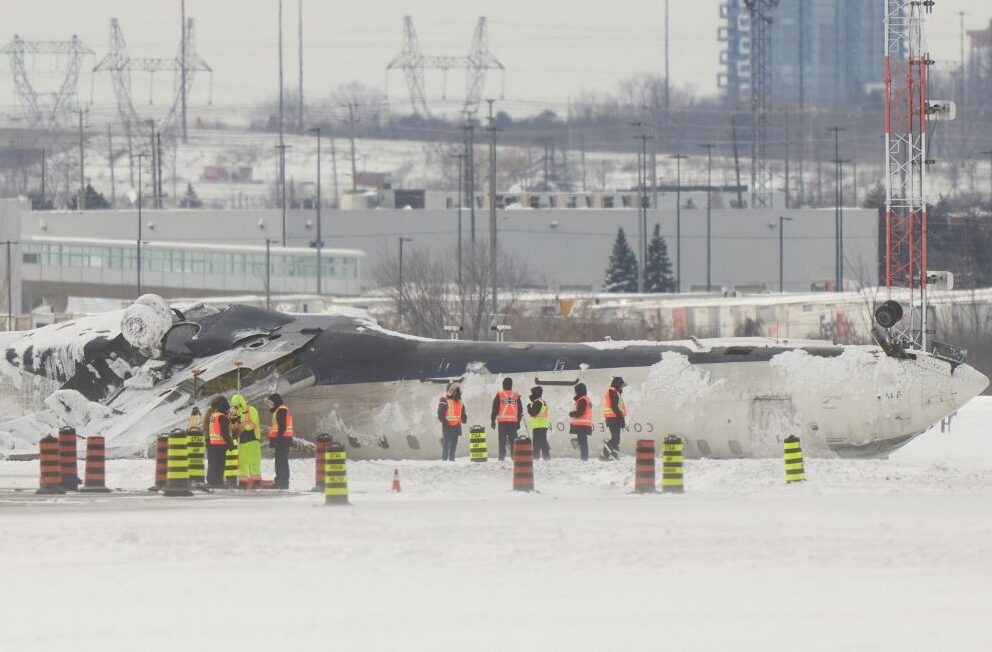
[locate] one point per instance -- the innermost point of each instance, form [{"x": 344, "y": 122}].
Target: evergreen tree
[
  {"x": 191, "y": 199},
  {"x": 621, "y": 275},
  {"x": 92, "y": 200},
  {"x": 658, "y": 268}
]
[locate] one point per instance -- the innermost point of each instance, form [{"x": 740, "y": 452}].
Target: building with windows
[{"x": 839, "y": 42}]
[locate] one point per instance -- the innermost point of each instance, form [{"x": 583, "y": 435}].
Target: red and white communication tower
[{"x": 906, "y": 114}]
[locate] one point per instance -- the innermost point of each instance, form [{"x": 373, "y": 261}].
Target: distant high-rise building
[{"x": 841, "y": 45}]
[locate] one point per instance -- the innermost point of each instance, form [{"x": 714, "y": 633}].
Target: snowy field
[{"x": 884, "y": 554}]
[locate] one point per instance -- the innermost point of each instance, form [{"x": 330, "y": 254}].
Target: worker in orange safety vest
[
  {"x": 451, "y": 413},
  {"x": 615, "y": 415},
  {"x": 280, "y": 438},
  {"x": 507, "y": 412},
  {"x": 581, "y": 419}
]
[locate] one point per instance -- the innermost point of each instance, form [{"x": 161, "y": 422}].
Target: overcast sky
[{"x": 551, "y": 48}]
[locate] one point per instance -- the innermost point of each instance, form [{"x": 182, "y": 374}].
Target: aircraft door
[{"x": 773, "y": 418}]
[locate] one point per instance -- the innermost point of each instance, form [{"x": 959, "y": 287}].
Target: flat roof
[{"x": 194, "y": 246}]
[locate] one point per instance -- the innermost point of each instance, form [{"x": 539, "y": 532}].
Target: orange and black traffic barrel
[
  {"x": 51, "y": 472},
  {"x": 523, "y": 465},
  {"x": 95, "y": 479},
  {"x": 319, "y": 448},
  {"x": 67, "y": 458},
  {"x": 161, "y": 461},
  {"x": 644, "y": 467}
]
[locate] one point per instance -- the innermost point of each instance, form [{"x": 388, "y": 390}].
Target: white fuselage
[{"x": 860, "y": 403}]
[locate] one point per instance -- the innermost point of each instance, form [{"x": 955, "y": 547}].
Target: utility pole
[
  {"x": 400, "y": 302},
  {"x": 641, "y": 236},
  {"x": 81, "y": 204},
  {"x": 182, "y": 64},
  {"x": 44, "y": 171},
  {"x": 989, "y": 154},
  {"x": 139, "y": 156},
  {"x": 461, "y": 196},
  {"x": 301, "y": 116},
  {"x": 781, "y": 252},
  {"x": 470, "y": 170},
  {"x": 282, "y": 132},
  {"x": 667, "y": 68},
  {"x": 110, "y": 160},
  {"x": 838, "y": 215},
  {"x": 158, "y": 176},
  {"x": 493, "y": 225},
  {"x": 788, "y": 145},
  {"x": 802, "y": 99},
  {"x": 268, "y": 274},
  {"x": 678, "y": 220},
  {"x": 319, "y": 242},
  {"x": 351, "y": 106},
  {"x": 281, "y": 153},
  {"x": 654, "y": 156},
  {"x": 10, "y": 287},
  {"x": 737, "y": 161},
  {"x": 709, "y": 211},
  {"x": 334, "y": 166},
  {"x": 154, "y": 149}
]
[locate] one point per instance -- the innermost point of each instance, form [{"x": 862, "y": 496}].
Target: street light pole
[
  {"x": 461, "y": 162},
  {"x": 400, "y": 301},
  {"x": 781, "y": 252},
  {"x": 838, "y": 227},
  {"x": 319, "y": 243},
  {"x": 709, "y": 210},
  {"x": 268, "y": 274},
  {"x": 678, "y": 220},
  {"x": 989, "y": 154},
  {"x": 139, "y": 156}
]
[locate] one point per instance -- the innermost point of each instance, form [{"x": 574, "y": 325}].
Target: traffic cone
[{"x": 396, "y": 481}]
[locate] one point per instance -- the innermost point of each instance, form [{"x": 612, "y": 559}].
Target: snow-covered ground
[{"x": 880, "y": 554}]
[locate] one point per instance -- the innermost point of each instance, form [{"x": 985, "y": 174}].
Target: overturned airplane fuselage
[{"x": 377, "y": 391}]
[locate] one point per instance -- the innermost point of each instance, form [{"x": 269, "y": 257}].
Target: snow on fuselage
[{"x": 377, "y": 391}]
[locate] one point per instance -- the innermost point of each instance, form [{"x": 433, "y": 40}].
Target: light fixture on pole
[
  {"x": 678, "y": 219},
  {"x": 781, "y": 251},
  {"x": 319, "y": 242}
]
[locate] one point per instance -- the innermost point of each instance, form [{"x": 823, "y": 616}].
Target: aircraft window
[
  {"x": 735, "y": 447},
  {"x": 383, "y": 442},
  {"x": 353, "y": 442},
  {"x": 704, "y": 447},
  {"x": 522, "y": 347},
  {"x": 739, "y": 350},
  {"x": 413, "y": 442},
  {"x": 177, "y": 338}
]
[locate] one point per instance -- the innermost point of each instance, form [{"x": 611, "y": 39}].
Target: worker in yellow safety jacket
[
  {"x": 245, "y": 423},
  {"x": 537, "y": 409}
]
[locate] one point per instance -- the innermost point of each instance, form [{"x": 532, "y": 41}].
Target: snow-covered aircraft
[{"x": 133, "y": 374}]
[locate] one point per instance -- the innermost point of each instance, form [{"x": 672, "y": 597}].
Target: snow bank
[
  {"x": 674, "y": 382},
  {"x": 73, "y": 409}
]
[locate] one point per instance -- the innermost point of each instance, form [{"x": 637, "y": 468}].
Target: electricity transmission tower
[
  {"x": 41, "y": 109},
  {"x": 414, "y": 63},
  {"x": 121, "y": 66},
  {"x": 761, "y": 95}
]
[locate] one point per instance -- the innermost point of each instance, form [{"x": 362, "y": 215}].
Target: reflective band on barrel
[
  {"x": 671, "y": 465},
  {"x": 644, "y": 467},
  {"x": 335, "y": 475},
  {"x": 793, "y": 454}
]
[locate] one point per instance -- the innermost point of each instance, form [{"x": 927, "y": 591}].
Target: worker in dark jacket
[
  {"x": 280, "y": 437},
  {"x": 218, "y": 429},
  {"x": 451, "y": 413},
  {"x": 581, "y": 420},
  {"x": 537, "y": 408},
  {"x": 507, "y": 412},
  {"x": 615, "y": 415}
]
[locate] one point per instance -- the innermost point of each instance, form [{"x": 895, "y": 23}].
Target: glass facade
[{"x": 186, "y": 261}]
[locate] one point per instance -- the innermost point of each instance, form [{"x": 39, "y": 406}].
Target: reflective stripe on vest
[
  {"x": 216, "y": 439},
  {"x": 584, "y": 419},
  {"x": 509, "y": 402},
  {"x": 608, "y": 409},
  {"x": 274, "y": 428},
  {"x": 541, "y": 420},
  {"x": 454, "y": 414}
]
